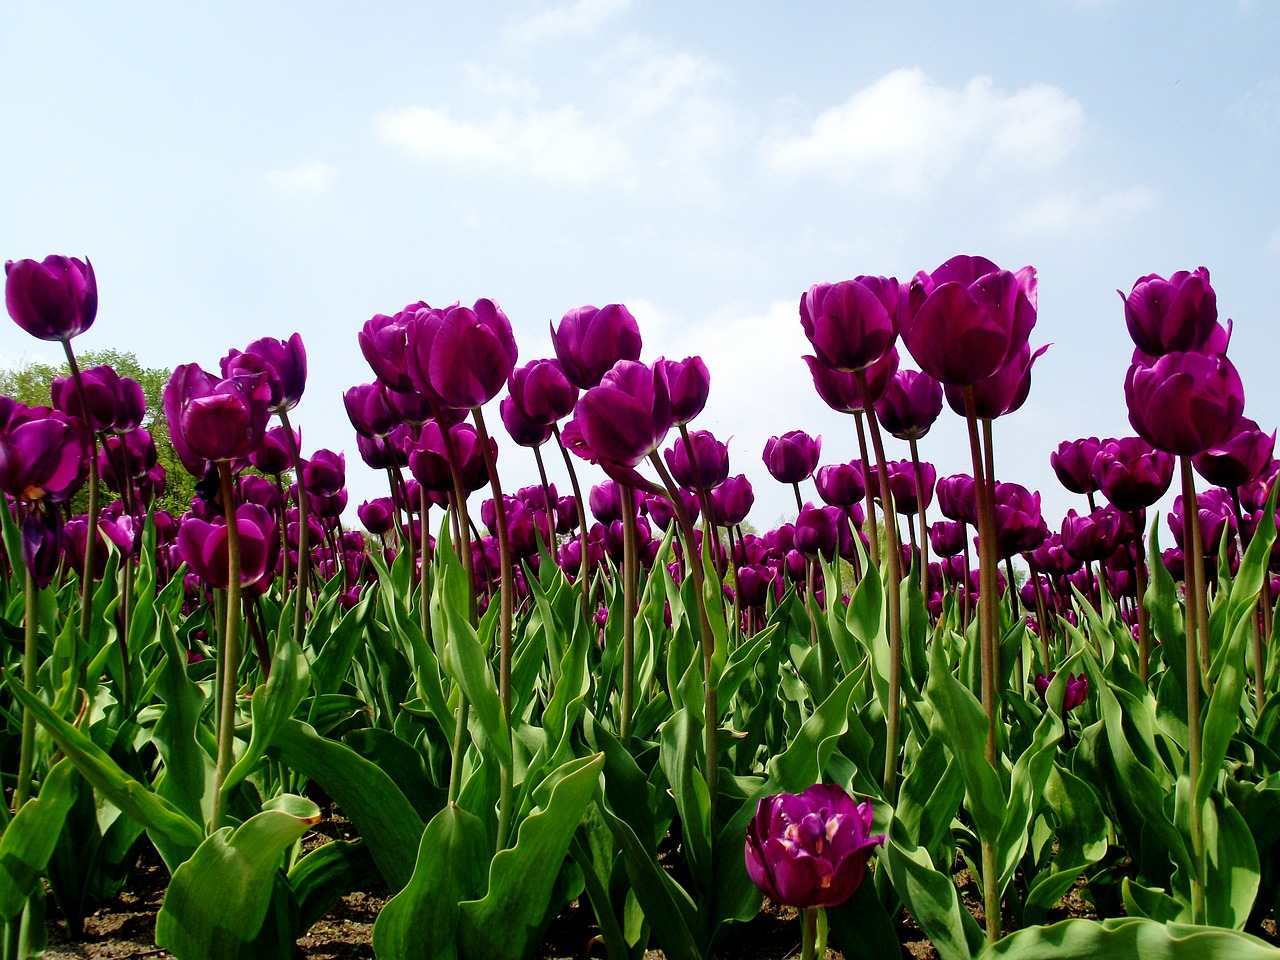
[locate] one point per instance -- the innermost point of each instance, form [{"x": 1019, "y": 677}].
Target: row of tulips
[{"x": 673, "y": 715}]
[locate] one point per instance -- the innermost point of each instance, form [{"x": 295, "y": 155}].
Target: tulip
[
  {"x": 810, "y": 849},
  {"x": 1005, "y": 391},
  {"x": 1170, "y": 316},
  {"x": 1184, "y": 403},
  {"x": 212, "y": 419},
  {"x": 702, "y": 462},
  {"x": 520, "y": 428},
  {"x": 910, "y": 405},
  {"x": 968, "y": 318},
  {"x": 384, "y": 343},
  {"x": 688, "y": 385},
  {"x": 203, "y": 546},
  {"x": 368, "y": 410},
  {"x": 116, "y": 404},
  {"x": 732, "y": 501},
  {"x": 1240, "y": 458},
  {"x": 462, "y": 355},
  {"x": 42, "y": 455},
  {"x": 590, "y": 340},
  {"x": 1077, "y": 689},
  {"x": 626, "y": 417},
  {"x": 56, "y": 299},
  {"x": 283, "y": 361},
  {"x": 841, "y": 392},
  {"x": 792, "y": 457},
  {"x": 1131, "y": 473},
  {"x": 851, "y": 324},
  {"x": 542, "y": 392},
  {"x": 1072, "y": 462}
]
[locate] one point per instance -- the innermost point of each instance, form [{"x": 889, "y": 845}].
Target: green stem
[
  {"x": 1144, "y": 619},
  {"x": 809, "y": 937},
  {"x": 584, "y": 565},
  {"x": 873, "y": 536},
  {"x": 303, "y": 585},
  {"x": 30, "y": 665},
  {"x": 1195, "y": 600},
  {"x": 630, "y": 579},
  {"x": 230, "y": 654}
]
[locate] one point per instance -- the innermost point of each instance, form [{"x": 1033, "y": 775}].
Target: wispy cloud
[
  {"x": 1074, "y": 212},
  {"x": 559, "y": 145},
  {"x": 906, "y": 132},
  {"x": 565, "y": 20},
  {"x": 310, "y": 177}
]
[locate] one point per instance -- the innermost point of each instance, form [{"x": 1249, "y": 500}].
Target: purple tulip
[
  {"x": 56, "y": 299},
  {"x": 1216, "y": 515},
  {"x": 1005, "y": 391},
  {"x": 461, "y": 355},
  {"x": 368, "y": 410},
  {"x": 125, "y": 458},
  {"x": 688, "y": 385},
  {"x": 626, "y": 417},
  {"x": 810, "y": 849},
  {"x": 429, "y": 459},
  {"x": 946, "y": 538},
  {"x": 324, "y": 473},
  {"x": 605, "y": 501},
  {"x": 1131, "y": 473},
  {"x": 1020, "y": 526},
  {"x": 840, "y": 484},
  {"x": 910, "y": 405},
  {"x": 840, "y": 391},
  {"x": 384, "y": 343},
  {"x": 968, "y": 318},
  {"x": 203, "y": 546},
  {"x": 43, "y": 455},
  {"x": 851, "y": 324},
  {"x": 817, "y": 531},
  {"x": 1184, "y": 403},
  {"x": 1171, "y": 316},
  {"x": 42, "y": 545},
  {"x": 1096, "y": 535},
  {"x": 116, "y": 404},
  {"x": 590, "y": 340},
  {"x": 275, "y": 454},
  {"x": 520, "y": 428},
  {"x": 703, "y": 462},
  {"x": 754, "y": 584},
  {"x": 732, "y": 501},
  {"x": 1073, "y": 464},
  {"x": 75, "y": 534},
  {"x": 283, "y": 361},
  {"x": 212, "y": 419},
  {"x": 792, "y": 457},
  {"x": 1076, "y": 693},
  {"x": 542, "y": 392},
  {"x": 958, "y": 498},
  {"x": 1240, "y": 458}
]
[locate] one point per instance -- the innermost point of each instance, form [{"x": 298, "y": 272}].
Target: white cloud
[
  {"x": 573, "y": 19},
  {"x": 906, "y": 132},
  {"x": 560, "y": 144},
  {"x": 1075, "y": 212},
  {"x": 310, "y": 177}
]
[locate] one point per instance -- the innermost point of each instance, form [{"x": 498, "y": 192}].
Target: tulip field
[{"x": 623, "y": 696}]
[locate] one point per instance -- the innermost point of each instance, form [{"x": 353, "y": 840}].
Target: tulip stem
[
  {"x": 1140, "y": 579},
  {"x": 920, "y": 512},
  {"x": 809, "y": 937},
  {"x": 892, "y": 561},
  {"x": 30, "y": 665},
  {"x": 506, "y": 610},
  {"x": 230, "y": 654},
  {"x": 1195, "y": 600},
  {"x": 303, "y": 586},
  {"x": 630, "y": 576},
  {"x": 584, "y": 561},
  {"x": 873, "y": 536},
  {"x": 90, "y": 543}
]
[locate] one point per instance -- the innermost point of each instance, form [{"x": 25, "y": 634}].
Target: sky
[{"x": 240, "y": 170}]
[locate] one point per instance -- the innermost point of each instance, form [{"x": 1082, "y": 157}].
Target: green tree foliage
[{"x": 31, "y": 383}]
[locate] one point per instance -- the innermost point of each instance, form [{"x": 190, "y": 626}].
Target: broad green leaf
[
  {"x": 931, "y": 898},
  {"x": 1129, "y": 937},
  {"x": 188, "y": 779},
  {"x": 421, "y": 921},
  {"x": 30, "y": 837},
  {"x": 1082, "y": 839},
  {"x": 326, "y": 874},
  {"x": 273, "y": 703},
  {"x": 217, "y": 902},
  {"x": 1233, "y": 872}
]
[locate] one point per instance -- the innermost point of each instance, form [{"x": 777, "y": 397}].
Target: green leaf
[
  {"x": 188, "y": 778},
  {"x": 1233, "y": 872},
  {"x": 1129, "y": 937},
  {"x": 930, "y": 896},
  {"x": 1082, "y": 840},
  {"x": 511, "y": 918},
  {"x": 30, "y": 837},
  {"x": 421, "y": 921},
  {"x": 273, "y": 703},
  {"x": 326, "y": 874},
  {"x": 217, "y": 902}
]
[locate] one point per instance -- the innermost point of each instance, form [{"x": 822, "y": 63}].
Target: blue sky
[{"x": 245, "y": 169}]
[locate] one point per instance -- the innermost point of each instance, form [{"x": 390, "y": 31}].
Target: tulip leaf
[
  {"x": 1222, "y": 717},
  {"x": 931, "y": 897},
  {"x": 449, "y": 869},
  {"x": 217, "y": 901},
  {"x": 174, "y": 833},
  {"x": 1082, "y": 840},
  {"x": 426, "y": 667},
  {"x": 681, "y": 748},
  {"x": 335, "y": 652},
  {"x": 1232, "y": 867},
  {"x": 368, "y": 797},
  {"x": 861, "y": 927},
  {"x": 188, "y": 780},
  {"x": 326, "y": 874},
  {"x": 512, "y": 916},
  {"x": 1128, "y": 937},
  {"x": 29, "y": 839}
]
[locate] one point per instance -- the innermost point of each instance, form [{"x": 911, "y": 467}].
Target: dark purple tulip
[
  {"x": 810, "y": 849},
  {"x": 605, "y": 501},
  {"x": 462, "y": 355},
  {"x": 732, "y": 501},
  {"x": 1184, "y": 403},
  {"x": 55, "y": 299},
  {"x": 260, "y": 490},
  {"x": 662, "y": 511},
  {"x": 1077, "y": 689},
  {"x": 116, "y": 404},
  {"x": 590, "y": 340},
  {"x": 42, "y": 545},
  {"x": 429, "y": 460},
  {"x": 754, "y": 583},
  {"x": 275, "y": 455},
  {"x": 45, "y": 456},
  {"x": 384, "y": 343},
  {"x": 851, "y": 324},
  {"x": 1240, "y": 458},
  {"x": 626, "y": 417},
  {"x": 377, "y": 515},
  {"x": 151, "y": 486},
  {"x": 324, "y": 473},
  {"x": 1020, "y": 526},
  {"x": 414, "y": 409},
  {"x": 1171, "y": 316},
  {"x": 283, "y": 361},
  {"x": 1096, "y": 535},
  {"x": 688, "y": 385},
  {"x": 203, "y": 546},
  {"x": 1131, "y": 473},
  {"x": 792, "y": 457},
  {"x": 965, "y": 320},
  {"x": 368, "y": 410},
  {"x": 1073, "y": 464},
  {"x": 520, "y": 428},
  {"x": 902, "y": 484},
  {"x": 212, "y": 419},
  {"x": 1005, "y": 391},
  {"x": 958, "y": 498},
  {"x": 707, "y": 467},
  {"x": 126, "y": 457},
  {"x": 946, "y": 538},
  {"x": 817, "y": 531},
  {"x": 1052, "y": 557},
  {"x": 388, "y": 452},
  {"x": 910, "y": 405},
  {"x": 542, "y": 392},
  {"x": 840, "y": 391},
  {"x": 840, "y": 484},
  {"x": 1216, "y": 516}
]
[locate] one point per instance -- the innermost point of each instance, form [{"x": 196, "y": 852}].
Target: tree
[{"x": 31, "y": 384}]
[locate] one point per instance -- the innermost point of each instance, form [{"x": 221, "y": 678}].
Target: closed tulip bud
[
  {"x": 840, "y": 484},
  {"x": 792, "y": 457},
  {"x": 1240, "y": 458},
  {"x": 116, "y": 404},
  {"x": 688, "y": 385},
  {"x": 842, "y": 392},
  {"x": 1072, "y": 462},
  {"x": 368, "y": 410},
  {"x": 626, "y": 417},
  {"x": 703, "y": 462},
  {"x": 1131, "y": 473},
  {"x": 283, "y": 361},
  {"x": 589, "y": 341},
  {"x": 1184, "y": 403},
  {"x": 851, "y": 324},
  {"x": 55, "y": 299},
  {"x": 542, "y": 392},
  {"x": 520, "y": 428},
  {"x": 732, "y": 501},
  {"x": 1174, "y": 315},
  {"x": 910, "y": 404}
]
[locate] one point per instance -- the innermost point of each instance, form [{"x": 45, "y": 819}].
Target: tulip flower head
[
  {"x": 590, "y": 340},
  {"x": 55, "y": 299},
  {"x": 810, "y": 849}
]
